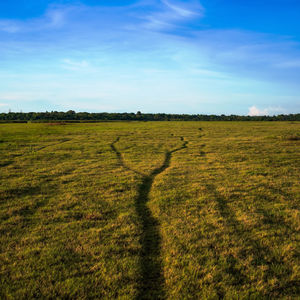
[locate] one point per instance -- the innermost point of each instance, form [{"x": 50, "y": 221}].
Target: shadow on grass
[
  {"x": 152, "y": 278},
  {"x": 17, "y": 192},
  {"x": 31, "y": 150},
  {"x": 51, "y": 145},
  {"x": 261, "y": 254},
  {"x": 5, "y": 163},
  {"x": 21, "y": 206}
]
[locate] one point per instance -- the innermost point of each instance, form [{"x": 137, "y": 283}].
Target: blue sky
[{"x": 206, "y": 57}]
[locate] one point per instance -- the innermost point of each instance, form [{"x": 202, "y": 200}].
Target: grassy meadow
[{"x": 150, "y": 210}]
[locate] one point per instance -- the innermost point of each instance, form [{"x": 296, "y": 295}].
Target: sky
[{"x": 171, "y": 56}]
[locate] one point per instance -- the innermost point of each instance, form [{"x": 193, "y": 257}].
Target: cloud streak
[
  {"x": 168, "y": 15},
  {"x": 187, "y": 11},
  {"x": 9, "y": 26},
  {"x": 55, "y": 17},
  {"x": 72, "y": 65}
]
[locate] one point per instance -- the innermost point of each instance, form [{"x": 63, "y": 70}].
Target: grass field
[{"x": 150, "y": 210}]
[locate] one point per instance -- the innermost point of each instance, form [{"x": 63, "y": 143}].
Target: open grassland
[{"x": 150, "y": 210}]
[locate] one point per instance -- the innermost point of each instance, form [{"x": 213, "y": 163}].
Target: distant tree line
[{"x": 73, "y": 116}]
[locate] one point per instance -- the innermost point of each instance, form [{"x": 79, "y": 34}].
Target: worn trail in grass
[{"x": 152, "y": 279}]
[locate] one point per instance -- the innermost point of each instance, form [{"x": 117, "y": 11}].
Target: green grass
[{"x": 150, "y": 210}]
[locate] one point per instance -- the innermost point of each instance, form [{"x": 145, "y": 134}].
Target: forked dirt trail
[{"x": 152, "y": 279}]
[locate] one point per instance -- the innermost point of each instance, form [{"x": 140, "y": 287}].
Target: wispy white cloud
[
  {"x": 289, "y": 64},
  {"x": 250, "y": 54},
  {"x": 206, "y": 73},
  {"x": 9, "y": 26},
  {"x": 54, "y": 17},
  {"x": 187, "y": 11},
  {"x": 73, "y": 65},
  {"x": 168, "y": 14}
]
